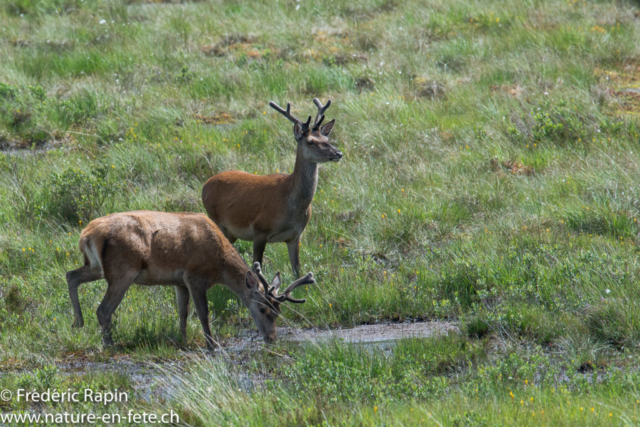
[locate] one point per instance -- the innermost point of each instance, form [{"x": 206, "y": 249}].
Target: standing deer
[
  {"x": 185, "y": 250},
  {"x": 273, "y": 208}
]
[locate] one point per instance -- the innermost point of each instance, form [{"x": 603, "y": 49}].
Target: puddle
[
  {"x": 378, "y": 333},
  {"x": 12, "y": 151}
]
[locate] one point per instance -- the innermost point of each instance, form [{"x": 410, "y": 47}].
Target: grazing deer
[
  {"x": 185, "y": 250},
  {"x": 277, "y": 207}
]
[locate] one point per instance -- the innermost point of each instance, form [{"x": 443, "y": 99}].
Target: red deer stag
[
  {"x": 277, "y": 207},
  {"x": 185, "y": 250}
]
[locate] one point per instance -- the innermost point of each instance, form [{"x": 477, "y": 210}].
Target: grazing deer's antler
[
  {"x": 321, "y": 109},
  {"x": 287, "y": 113},
  {"x": 258, "y": 271},
  {"x": 286, "y": 295},
  {"x": 268, "y": 290},
  {"x": 272, "y": 291}
]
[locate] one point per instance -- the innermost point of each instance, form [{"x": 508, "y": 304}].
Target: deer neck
[
  {"x": 233, "y": 277},
  {"x": 304, "y": 181}
]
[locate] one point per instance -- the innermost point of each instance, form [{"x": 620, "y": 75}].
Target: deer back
[{"x": 145, "y": 240}]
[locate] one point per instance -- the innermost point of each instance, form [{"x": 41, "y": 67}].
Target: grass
[
  {"x": 446, "y": 381},
  {"x": 490, "y": 178}
]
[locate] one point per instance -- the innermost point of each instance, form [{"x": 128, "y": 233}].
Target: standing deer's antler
[
  {"x": 287, "y": 113},
  {"x": 272, "y": 291},
  {"x": 321, "y": 109}
]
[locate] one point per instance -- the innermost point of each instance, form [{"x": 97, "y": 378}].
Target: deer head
[
  {"x": 313, "y": 140},
  {"x": 265, "y": 303}
]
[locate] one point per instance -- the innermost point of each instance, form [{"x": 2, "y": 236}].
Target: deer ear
[
  {"x": 277, "y": 281},
  {"x": 326, "y": 129},
  {"x": 297, "y": 130},
  {"x": 251, "y": 280}
]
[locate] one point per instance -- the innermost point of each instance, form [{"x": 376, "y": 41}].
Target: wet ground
[
  {"x": 149, "y": 379},
  {"x": 152, "y": 380},
  {"x": 143, "y": 376},
  {"x": 371, "y": 333}
]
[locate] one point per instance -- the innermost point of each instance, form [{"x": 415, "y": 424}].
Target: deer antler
[
  {"x": 272, "y": 291},
  {"x": 263, "y": 280},
  {"x": 287, "y": 113},
  {"x": 321, "y": 109},
  {"x": 286, "y": 295}
]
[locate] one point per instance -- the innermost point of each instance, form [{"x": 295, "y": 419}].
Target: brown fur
[
  {"x": 185, "y": 250},
  {"x": 242, "y": 200}
]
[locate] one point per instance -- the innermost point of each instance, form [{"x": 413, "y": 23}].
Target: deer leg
[
  {"x": 198, "y": 290},
  {"x": 182, "y": 295},
  {"x": 293, "y": 248},
  {"x": 259, "y": 246},
  {"x": 75, "y": 278},
  {"x": 115, "y": 292}
]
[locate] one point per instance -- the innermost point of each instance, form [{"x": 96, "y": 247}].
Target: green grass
[
  {"x": 447, "y": 381},
  {"x": 490, "y": 178}
]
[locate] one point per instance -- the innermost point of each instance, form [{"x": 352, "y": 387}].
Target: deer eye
[{"x": 261, "y": 310}]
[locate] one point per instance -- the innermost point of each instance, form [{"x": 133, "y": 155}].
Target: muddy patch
[
  {"x": 371, "y": 333},
  {"x": 216, "y": 119},
  {"x": 425, "y": 88},
  {"x": 629, "y": 100},
  {"x": 146, "y": 378},
  {"x": 514, "y": 167}
]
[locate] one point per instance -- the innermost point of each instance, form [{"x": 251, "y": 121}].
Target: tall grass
[{"x": 489, "y": 178}]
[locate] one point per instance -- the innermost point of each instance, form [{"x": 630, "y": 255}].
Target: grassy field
[{"x": 490, "y": 178}]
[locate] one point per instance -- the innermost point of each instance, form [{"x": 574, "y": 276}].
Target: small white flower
[
  {"x": 297, "y": 7},
  {"x": 102, "y": 21},
  {"x": 608, "y": 291}
]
